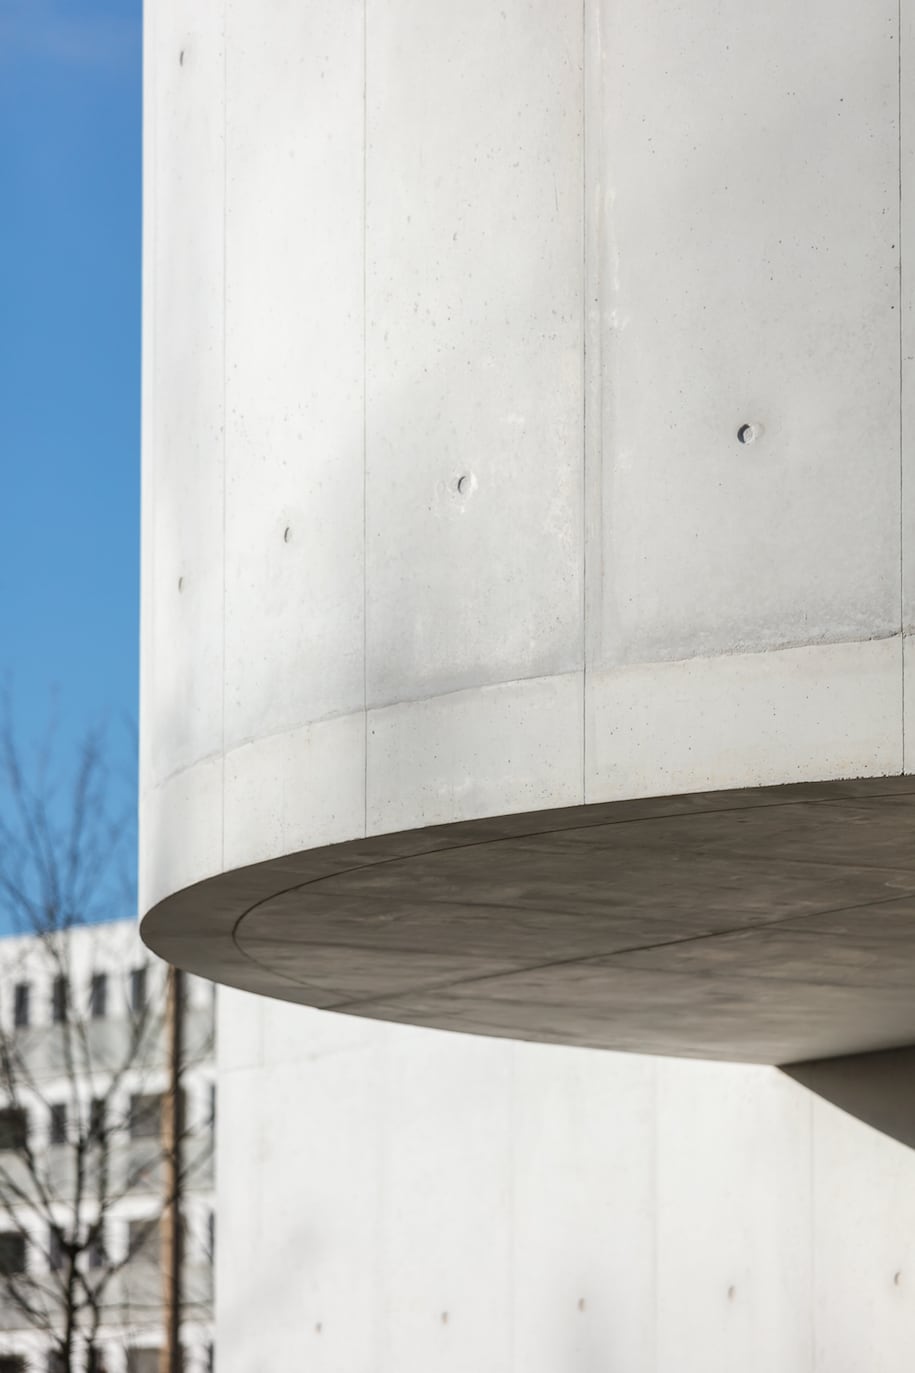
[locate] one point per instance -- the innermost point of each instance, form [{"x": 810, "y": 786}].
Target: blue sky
[{"x": 70, "y": 175}]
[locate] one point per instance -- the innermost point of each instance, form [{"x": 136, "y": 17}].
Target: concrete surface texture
[
  {"x": 396, "y": 1200},
  {"x": 525, "y": 392},
  {"x": 525, "y": 389}
]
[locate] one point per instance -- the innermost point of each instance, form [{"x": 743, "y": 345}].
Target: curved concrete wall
[
  {"x": 454, "y": 314},
  {"x": 395, "y": 1200}
]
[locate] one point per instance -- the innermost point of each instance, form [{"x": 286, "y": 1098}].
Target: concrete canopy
[{"x": 769, "y": 924}]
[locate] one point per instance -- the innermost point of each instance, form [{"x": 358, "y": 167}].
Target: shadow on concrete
[{"x": 878, "y": 1088}]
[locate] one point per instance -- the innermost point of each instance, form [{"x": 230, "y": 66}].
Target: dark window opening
[
  {"x": 97, "y": 1252},
  {"x": 144, "y": 1241},
  {"x": 138, "y": 991},
  {"x": 98, "y": 996},
  {"x": 56, "y": 1254},
  {"x": 14, "y": 1128},
  {"x": 58, "y": 1123},
  {"x": 142, "y": 1361},
  {"x": 97, "y": 1119},
  {"x": 145, "y": 1116},
  {"x": 12, "y": 1363},
  {"x": 60, "y": 1000},
  {"x": 12, "y": 1252},
  {"x": 21, "y": 999}
]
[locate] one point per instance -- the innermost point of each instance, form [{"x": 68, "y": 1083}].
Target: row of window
[
  {"x": 144, "y": 1120},
  {"x": 138, "y": 1361},
  {"x": 98, "y": 998},
  {"x": 144, "y": 1242}
]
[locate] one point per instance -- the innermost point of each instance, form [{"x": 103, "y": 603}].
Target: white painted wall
[{"x": 557, "y": 252}]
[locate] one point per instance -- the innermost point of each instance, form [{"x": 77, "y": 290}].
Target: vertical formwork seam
[{"x": 365, "y": 331}]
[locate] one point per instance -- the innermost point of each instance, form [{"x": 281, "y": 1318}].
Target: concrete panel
[
  {"x": 239, "y": 1029},
  {"x": 583, "y": 1181},
  {"x": 305, "y": 1288},
  {"x": 445, "y": 1109},
  {"x": 294, "y": 339},
  {"x": 271, "y": 801},
  {"x": 473, "y": 344},
  {"x": 733, "y": 1217},
  {"x": 864, "y": 1240},
  {"x": 182, "y": 826},
  {"x": 796, "y": 715},
  {"x": 750, "y": 275},
  {"x": 297, "y": 1034},
  {"x": 908, "y": 681},
  {"x": 516, "y": 746},
  {"x": 906, "y": 270},
  {"x": 183, "y": 422}
]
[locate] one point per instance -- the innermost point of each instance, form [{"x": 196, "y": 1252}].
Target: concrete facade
[
  {"x": 525, "y": 392},
  {"x": 446, "y": 514},
  {"x": 416, "y": 1200}
]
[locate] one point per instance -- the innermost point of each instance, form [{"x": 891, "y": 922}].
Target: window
[
  {"x": 145, "y": 1116},
  {"x": 12, "y": 1252},
  {"x": 138, "y": 991},
  {"x": 95, "y": 1361},
  {"x": 56, "y": 1254},
  {"x": 142, "y": 1361},
  {"x": 58, "y": 1130},
  {"x": 97, "y": 1119},
  {"x": 56, "y": 1362},
  {"x": 98, "y": 996},
  {"x": 21, "y": 999},
  {"x": 14, "y": 1128},
  {"x": 12, "y": 1363},
  {"x": 97, "y": 1249},
  {"x": 144, "y": 1240},
  {"x": 60, "y": 998}
]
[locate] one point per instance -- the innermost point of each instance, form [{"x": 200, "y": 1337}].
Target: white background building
[{"x": 113, "y": 986}]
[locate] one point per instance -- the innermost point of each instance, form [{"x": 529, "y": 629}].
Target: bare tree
[{"x": 62, "y": 863}]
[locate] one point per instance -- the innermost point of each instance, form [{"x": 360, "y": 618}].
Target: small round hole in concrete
[
  {"x": 180, "y": 583},
  {"x": 897, "y": 1279},
  {"x": 318, "y": 1328},
  {"x": 582, "y": 1304},
  {"x": 463, "y": 485},
  {"x": 748, "y": 433},
  {"x": 732, "y": 1293},
  {"x": 287, "y": 534},
  {"x": 444, "y": 1318},
  {"x": 181, "y": 58}
]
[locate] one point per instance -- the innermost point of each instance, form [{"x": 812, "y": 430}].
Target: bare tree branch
[{"x": 60, "y": 847}]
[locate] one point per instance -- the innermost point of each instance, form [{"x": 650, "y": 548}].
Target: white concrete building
[
  {"x": 526, "y": 672},
  {"x": 113, "y": 1052}
]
